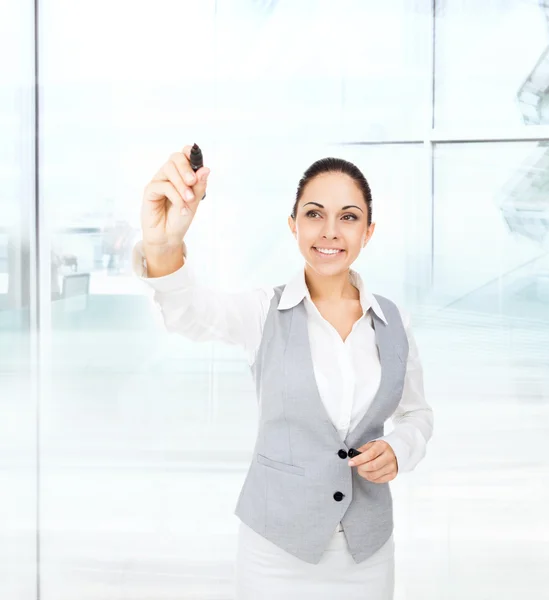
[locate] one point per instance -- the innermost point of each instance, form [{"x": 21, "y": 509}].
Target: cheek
[
  {"x": 307, "y": 231},
  {"x": 309, "y": 237}
]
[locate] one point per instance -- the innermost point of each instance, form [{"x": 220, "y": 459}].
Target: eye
[{"x": 315, "y": 212}]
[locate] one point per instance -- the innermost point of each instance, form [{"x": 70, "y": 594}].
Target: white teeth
[{"x": 326, "y": 251}]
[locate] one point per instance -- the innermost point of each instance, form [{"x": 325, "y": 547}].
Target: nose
[{"x": 330, "y": 229}]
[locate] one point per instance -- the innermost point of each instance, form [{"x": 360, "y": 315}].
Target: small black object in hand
[{"x": 197, "y": 160}]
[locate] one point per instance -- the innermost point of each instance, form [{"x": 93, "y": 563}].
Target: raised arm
[
  {"x": 189, "y": 307},
  {"x": 202, "y": 313}
]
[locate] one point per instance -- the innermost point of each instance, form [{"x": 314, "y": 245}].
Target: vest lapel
[
  {"x": 372, "y": 415},
  {"x": 300, "y": 371},
  {"x": 300, "y": 381}
]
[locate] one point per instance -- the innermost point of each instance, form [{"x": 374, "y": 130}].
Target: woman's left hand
[{"x": 377, "y": 463}]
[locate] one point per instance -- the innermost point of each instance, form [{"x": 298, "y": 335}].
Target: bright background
[{"x": 122, "y": 448}]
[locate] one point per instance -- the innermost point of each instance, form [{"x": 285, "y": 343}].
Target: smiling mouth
[{"x": 328, "y": 254}]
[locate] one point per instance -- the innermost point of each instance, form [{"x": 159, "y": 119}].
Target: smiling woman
[
  {"x": 331, "y": 237},
  {"x": 322, "y": 352}
]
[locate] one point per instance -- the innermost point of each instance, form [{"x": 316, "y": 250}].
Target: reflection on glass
[
  {"x": 492, "y": 228},
  {"x": 489, "y": 80},
  {"x": 488, "y": 361},
  {"x": 325, "y": 71}
]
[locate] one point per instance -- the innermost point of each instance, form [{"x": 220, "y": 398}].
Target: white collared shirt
[{"x": 347, "y": 372}]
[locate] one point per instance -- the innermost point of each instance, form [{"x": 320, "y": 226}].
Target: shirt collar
[{"x": 296, "y": 290}]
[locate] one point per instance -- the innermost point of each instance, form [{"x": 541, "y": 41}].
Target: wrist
[
  {"x": 163, "y": 259},
  {"x": 163, "y": 248}
]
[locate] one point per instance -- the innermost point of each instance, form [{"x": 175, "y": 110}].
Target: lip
[{"x": 329, "y": 256}]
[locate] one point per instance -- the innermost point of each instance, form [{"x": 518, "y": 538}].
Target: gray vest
[{"x": 299, "y": 485}]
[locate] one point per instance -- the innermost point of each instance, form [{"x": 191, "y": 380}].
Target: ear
[
  {"x": 291, "y": 224},
  {"x": 369, "y": 234}
]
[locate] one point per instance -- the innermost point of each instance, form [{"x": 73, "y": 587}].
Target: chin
[{"x": 327, "y": 268}]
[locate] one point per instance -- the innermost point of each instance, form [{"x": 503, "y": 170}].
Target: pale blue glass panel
[
  {"x": 18, "y": 399},
  {"x": 491, "y": 63}
]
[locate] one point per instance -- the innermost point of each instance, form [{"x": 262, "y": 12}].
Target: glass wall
[
  {"x": 124, "y": 448},
  {"x": 492, "y": 63},
  {"x": 19, "y": 417}
]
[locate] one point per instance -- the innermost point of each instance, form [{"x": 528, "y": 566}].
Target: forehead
[{"x": 331, "y": 187}]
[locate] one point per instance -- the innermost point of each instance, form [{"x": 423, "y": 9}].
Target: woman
[{"x": 331, "y": 362}]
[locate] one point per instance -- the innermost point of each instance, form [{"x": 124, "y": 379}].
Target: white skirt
[{"x": 266, "y": 572}]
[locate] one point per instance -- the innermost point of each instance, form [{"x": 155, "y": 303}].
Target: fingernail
[
  {"x": 189, "y": 195},
  {"x": 189, "y": 178},
  {"x": 351, "y": 463}
]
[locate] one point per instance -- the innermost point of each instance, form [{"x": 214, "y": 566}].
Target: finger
[
  {"x": 183, "y": 164},
  {"x": 374, "y": 475},
  {"x": 175, "y": 176},
  {"x": 157, "y": 191},
  {"x": 375, "y": 450},
  {"x": 377, "y": 463},
  {"x": 200, "y": 187},
  {"x": 381, "y": 476},
  {"x": 187, "y": 151},
  {"x": 372, "y": 452},
  {"x": 367, "y": 446},
  {"x": 197, "y": 180}
]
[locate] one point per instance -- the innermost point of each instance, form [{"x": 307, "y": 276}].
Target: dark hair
[{"x": 335, "y": 165}]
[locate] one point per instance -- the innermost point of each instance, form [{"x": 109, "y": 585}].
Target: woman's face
[{"x": 331, "y": 214}]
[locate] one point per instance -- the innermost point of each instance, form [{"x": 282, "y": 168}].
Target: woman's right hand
[{"x": 171, "y": 200}]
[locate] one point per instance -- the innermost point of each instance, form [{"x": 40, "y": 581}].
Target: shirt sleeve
[
  {"x": 413, "y": 418},
  {"x": 201, "y": 313}
]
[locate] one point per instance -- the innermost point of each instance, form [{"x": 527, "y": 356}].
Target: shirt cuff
[{"x": 180, "y": 279}]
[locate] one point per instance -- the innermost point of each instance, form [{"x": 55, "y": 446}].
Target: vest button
[
  {"x": 342, "y": 454},
  {"x": 338, "y": 496}
]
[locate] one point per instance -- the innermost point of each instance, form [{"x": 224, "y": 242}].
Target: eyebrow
[{"x": 343, "y": 208}]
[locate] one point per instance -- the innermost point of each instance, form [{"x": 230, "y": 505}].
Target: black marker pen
[{"x": 197, "y": 160}]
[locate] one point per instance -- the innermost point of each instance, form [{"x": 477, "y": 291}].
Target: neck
[{"x": 330, "y": 288}]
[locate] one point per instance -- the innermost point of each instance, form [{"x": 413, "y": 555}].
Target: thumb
[
  {"x": 373, "y": 453},
  {"x": 199, "y": 188},
  {"x": 366, "y": 446}
]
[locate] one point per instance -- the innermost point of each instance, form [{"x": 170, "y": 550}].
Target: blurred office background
[{"x": 123, "y": 448}]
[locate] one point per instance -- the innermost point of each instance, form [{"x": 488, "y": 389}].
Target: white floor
[{"x": 138, "y": 481}]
